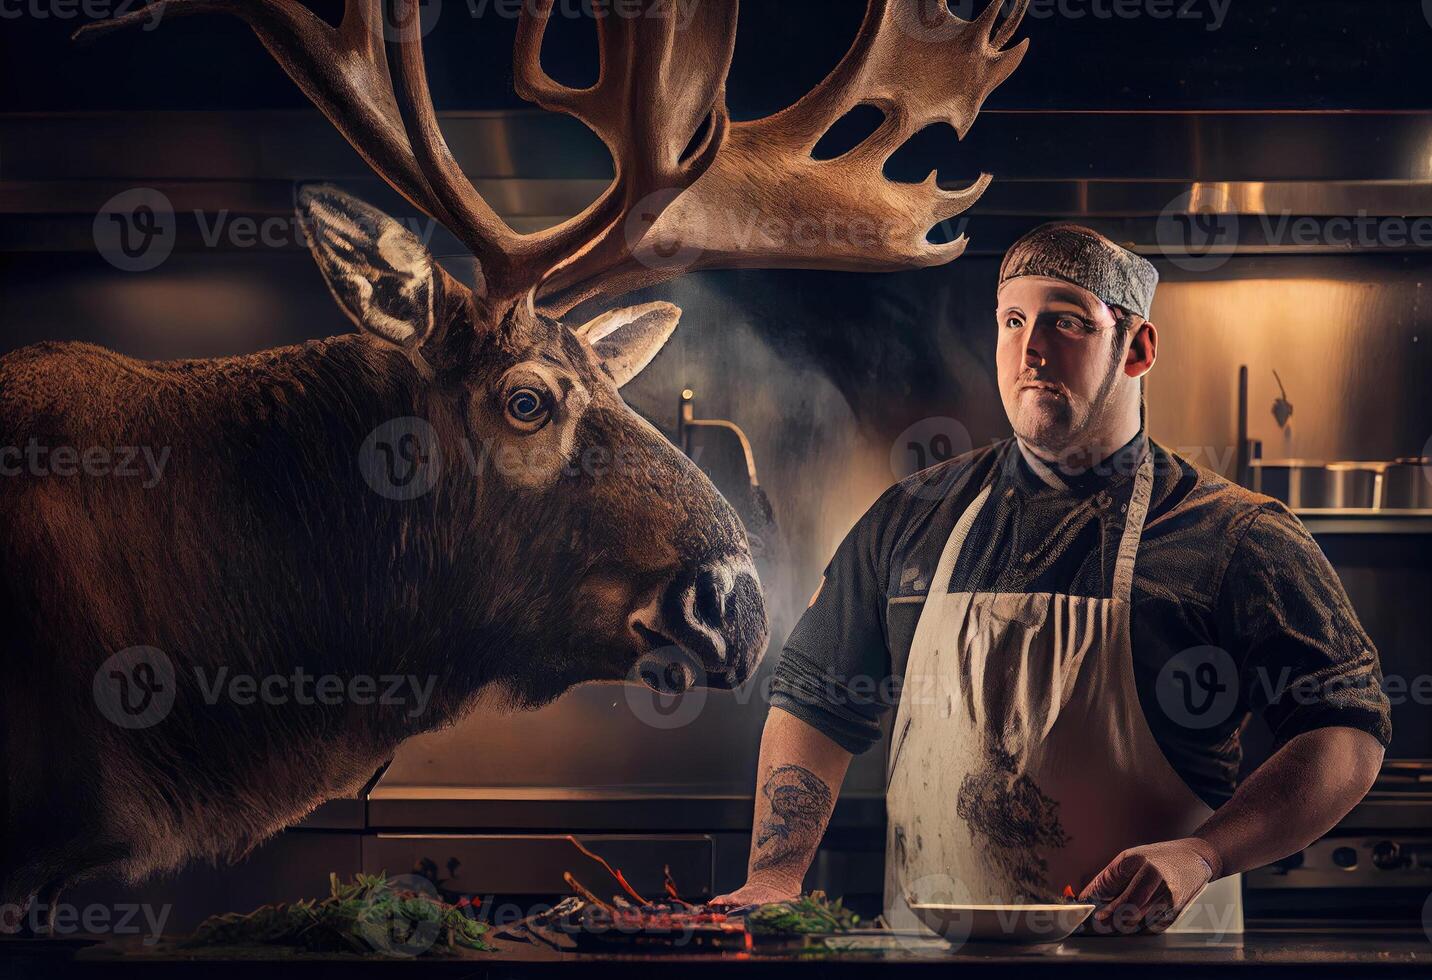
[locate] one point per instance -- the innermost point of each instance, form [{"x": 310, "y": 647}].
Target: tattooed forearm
[{"x": 798, "y": 804}]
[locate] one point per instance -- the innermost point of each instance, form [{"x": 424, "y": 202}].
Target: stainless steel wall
[
  {"x": 1351, "y": 339},
  {"x": 833, "y": 376}
]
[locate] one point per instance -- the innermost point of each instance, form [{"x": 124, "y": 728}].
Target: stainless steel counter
[
  {"x": 1263, "y": 954},
  {"x": 681, "y": 808}
]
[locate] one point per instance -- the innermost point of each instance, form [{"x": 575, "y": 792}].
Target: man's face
[{"x": 1057, "y": 361}]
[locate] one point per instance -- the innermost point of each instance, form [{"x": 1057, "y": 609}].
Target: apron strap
[
  {"x": 1128, "y": 544},
  {"x": 955, "y": 543},
  {"x": 1134, "y": 527},
  {"x": 939, "y": 585}
]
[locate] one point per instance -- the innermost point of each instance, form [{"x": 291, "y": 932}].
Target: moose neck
[{"x": 339, "y": 578}]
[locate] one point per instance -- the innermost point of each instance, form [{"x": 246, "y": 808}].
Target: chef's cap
[{"x": 1084, "y": 257}]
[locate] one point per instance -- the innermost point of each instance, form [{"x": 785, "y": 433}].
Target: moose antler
[
  {"x": 660, "y": 81},
  {"x": 692, "y": 190},
  {"x": 344, "y": 71},
  {"x": 368, "y": 78},
  {"x": 765, "y": 202}
]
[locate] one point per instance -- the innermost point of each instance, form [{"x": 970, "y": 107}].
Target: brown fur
[{"x": 263, "y": 549}]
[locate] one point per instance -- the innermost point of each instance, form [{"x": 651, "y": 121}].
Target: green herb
[
  {"x": 810, "y": 913},
  {"x": 370, "y": 914}
]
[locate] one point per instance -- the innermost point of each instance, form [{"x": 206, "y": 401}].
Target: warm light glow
[{"x": 1332, "y": 342}]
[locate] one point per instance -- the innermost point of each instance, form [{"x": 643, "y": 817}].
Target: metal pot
[
  {"x": 1407, "y": 484},
  {"x": 1352, "y": 486},
  {"x": 1305, "y": 484},
  {"x": 1290, "y": 480}
]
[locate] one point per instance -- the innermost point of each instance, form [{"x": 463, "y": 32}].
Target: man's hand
[
  {"x": 758, "y": 891},
  {"x": 1145, "y": 888},
  {"x": 800, "y": 772}
]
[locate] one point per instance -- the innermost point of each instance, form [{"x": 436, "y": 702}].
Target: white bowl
[{"x": 1002, "y": 923}]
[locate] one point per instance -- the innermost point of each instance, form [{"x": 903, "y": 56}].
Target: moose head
[{"x": 623, "y": 559}]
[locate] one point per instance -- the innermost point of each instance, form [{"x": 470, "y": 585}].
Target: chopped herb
[
  {"x": 812, "y": 913},
  {"x": 370, "y": 914}
]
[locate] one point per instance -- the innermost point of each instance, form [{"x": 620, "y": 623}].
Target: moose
[{"x": 283, "y": 537}]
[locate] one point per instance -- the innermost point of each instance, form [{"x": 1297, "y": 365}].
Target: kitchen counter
[{"x": 1264, "y": 954}]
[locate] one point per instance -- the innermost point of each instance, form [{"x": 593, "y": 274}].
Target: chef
[{"x": 1072, "y": 626}]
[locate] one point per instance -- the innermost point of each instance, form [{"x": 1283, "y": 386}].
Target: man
[{"x": 1081, "y": 621}]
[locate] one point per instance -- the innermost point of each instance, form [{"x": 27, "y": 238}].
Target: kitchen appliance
[
  {"x": 1376, "y": 865},
  {"x": 1348, "y": 877}
]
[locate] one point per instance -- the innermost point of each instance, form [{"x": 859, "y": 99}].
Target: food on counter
[
  {"x": 588, "y": 921},
  {"x": 614, "y": 872},
  {"x": 596, "y": 925},
  {"x": 811, "y": 913},
  {"x": 369, "y": 915},
  {"x": 656, "y": 918}
]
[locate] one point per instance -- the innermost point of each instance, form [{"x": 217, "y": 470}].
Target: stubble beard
[{"x": 1061, "y": 429}]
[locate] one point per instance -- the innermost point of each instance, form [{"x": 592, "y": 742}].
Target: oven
[{"x": 1375, "y": 867}]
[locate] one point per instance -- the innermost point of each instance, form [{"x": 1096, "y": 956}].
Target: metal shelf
[{"x": 1349, "y": 521}]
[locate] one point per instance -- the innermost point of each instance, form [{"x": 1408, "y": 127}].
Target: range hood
[{"x": 1128, "y": 173}]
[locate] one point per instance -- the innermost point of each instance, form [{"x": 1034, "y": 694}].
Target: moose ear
[
  {"x": 627, "y": 339},
  {"x": 379, "y": 272}
]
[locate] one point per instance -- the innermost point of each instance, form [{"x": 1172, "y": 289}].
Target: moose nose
[
  {"x": 710, "y": 627},
  {"x": 713, "y": 587}
]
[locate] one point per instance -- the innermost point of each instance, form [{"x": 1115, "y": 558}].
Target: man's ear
[
  {"x": 1143, "y": 350},
  {"x": 379, "y": 272},
  {"x": 627, "y": 339}
]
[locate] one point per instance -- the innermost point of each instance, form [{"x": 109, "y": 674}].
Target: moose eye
[{"x": 527, "y": 405}]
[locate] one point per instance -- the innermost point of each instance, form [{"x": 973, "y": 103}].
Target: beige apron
[{"x": 1020, "y": 758}]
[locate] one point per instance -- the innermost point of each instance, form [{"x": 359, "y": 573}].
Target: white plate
[{"x": 1002, "y": 923}]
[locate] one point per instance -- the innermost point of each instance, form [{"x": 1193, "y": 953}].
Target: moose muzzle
[{"x": 709, "y": 628}]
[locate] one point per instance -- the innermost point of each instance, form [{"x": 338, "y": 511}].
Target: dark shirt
[{"x": 1218, "y": 567}]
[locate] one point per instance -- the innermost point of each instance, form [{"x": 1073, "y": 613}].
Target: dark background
[{"x": 1266, "y": 54}]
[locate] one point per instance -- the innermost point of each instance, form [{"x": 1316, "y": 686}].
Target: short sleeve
[
  {"x": 834, "y": 670},
  {"x": 1305, "y": 660}
]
